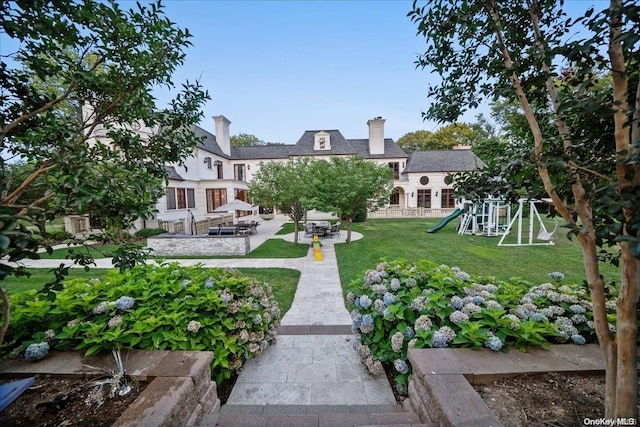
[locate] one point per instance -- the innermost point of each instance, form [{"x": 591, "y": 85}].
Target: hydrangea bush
[
  {"x": 162, "y": 306},
  {"x": 399, "y": 305}
]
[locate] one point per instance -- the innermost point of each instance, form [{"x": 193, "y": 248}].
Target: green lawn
[
  {"x": 283, "y": 281},
  {"x": 408, "y": 238}
]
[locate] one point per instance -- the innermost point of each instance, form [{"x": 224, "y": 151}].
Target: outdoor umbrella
[{"x": 235, "y": 205}]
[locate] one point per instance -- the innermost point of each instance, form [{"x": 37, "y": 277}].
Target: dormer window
[{"x": 322, "y": 141}]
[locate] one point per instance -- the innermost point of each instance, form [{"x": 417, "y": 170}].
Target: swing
[{"x": 548, "y": 236}]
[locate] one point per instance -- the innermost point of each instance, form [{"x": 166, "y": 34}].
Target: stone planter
[{"x": 180, "y": 390}]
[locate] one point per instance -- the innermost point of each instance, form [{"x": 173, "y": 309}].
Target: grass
[
  {"x": 97, "y": 251},
  {"x": 408, "y": 238},
  {"x": 284, "y": 281}
]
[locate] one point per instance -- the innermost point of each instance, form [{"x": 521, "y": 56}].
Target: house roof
[
  {"x": 391, "y": 149},
  {"x": 172, "y": 174},
  {"x": 443, "y": 161},
  {"x": 339, "y": 145},
  {"x": 262, "y": 152},
  {"x": 304, "y": 147},
  {"x": 209, "y": 142}
]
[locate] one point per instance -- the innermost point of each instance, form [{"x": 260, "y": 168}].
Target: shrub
[
  {"x": 400, "y": 305},
  {"x": 149, "y": 232},
  {"x": 162, "y": 306},
  {"x": 59, "y": 236}
]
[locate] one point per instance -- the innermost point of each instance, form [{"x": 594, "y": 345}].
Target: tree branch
[{"x": 11, "y": 198}]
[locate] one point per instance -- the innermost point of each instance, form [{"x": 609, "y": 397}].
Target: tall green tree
[
  {"x": 444, "y": 138},
  {"x": 101, "y": 64},
  {"x": 348, "y": 186},
  {"x": 513, "y": 49},
  {"x": 285, "y": 186}
]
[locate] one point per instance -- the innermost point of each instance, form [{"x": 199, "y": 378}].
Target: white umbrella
[{"x": 235, "y": 205}]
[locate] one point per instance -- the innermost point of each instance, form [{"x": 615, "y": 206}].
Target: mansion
[{"x": 217, "y": 172}]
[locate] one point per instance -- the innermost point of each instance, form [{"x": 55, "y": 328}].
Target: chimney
[
  {"x": 376, "y": 135},
  {"x": 222, "y": 134}
]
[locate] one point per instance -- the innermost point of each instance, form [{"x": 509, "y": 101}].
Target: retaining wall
[{"x": 180, "y": 245}]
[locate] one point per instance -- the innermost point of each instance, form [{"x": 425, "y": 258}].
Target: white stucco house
[{"x": 217, "y": 173}]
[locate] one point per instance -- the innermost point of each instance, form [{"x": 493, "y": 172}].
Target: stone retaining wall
[{"x": 179, "y": 245}]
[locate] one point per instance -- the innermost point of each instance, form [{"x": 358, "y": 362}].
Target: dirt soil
[
  {"x": 67, "y": 402},
  {"x": 556, "y": 400}
]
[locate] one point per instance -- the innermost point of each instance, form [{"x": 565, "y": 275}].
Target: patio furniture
[
  {"x": 335, "y": 229},
  {"x": 308, "y": 230}
]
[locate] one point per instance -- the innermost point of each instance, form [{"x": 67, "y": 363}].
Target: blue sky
[{"x": 276, "y": 68}]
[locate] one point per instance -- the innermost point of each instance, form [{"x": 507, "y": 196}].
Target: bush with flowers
[
  {"x": 161, "y": 306},
  {"x": 400, "y": 305}
]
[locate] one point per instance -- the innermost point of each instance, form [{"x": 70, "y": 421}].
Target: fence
[{"x": 411, "y": 213}]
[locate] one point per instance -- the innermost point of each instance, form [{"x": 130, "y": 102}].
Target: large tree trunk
[
  {"x": 627, "y": 316},
  {"x": 620, "y": 354}
]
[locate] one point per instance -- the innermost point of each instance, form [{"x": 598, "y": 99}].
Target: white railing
[{"x": 411, "y": 213}]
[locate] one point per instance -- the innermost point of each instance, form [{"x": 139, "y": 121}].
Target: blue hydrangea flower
[
  {"x": 395, "y": 284},
  {"x": 208, "y": 284},
  {"x": 556, "y": 275},
  {"x": 577, "y": 308},
  {"x": 409, "y": 333},
  {"x": 36, "y": 351},
  {"x": 367, "y": 320},
  {"x": 578, "y": 339},
  {"x": 538, "y": 317},
  {"x": 458, "y": 317},
  {"x": 365, "y": 301},
  {"x": 463, "y": 276},
  {"x": 478, "y": 300},
  {"x": 401, "y": 366},
  {"x": 457, "y": 302},
  {"x": 389, "y": 298},
  {"x": 493, "y": 343},
  {"x": 439, "y": 340},
  {"x": 125, "y": 303}
]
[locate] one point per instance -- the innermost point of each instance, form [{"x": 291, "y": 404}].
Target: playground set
[{"x": 493, "y": 217}]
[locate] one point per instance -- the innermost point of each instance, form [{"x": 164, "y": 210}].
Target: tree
[
  {"x": 347, "y": 186},
  {"x": 82, "y": 76},
  {"x": 444, "y": 138},
  {"x": 245, "y": 140},
  {"x": 512, "y": 49},
  {"x": 284, "y": 186}
]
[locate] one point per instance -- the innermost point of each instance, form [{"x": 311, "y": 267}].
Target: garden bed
[{"x": 67, "y": 401}]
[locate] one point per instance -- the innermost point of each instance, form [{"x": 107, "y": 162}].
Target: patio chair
[
  {"x": 308, "y": 230},
  {"x": 335, "y": 228}
]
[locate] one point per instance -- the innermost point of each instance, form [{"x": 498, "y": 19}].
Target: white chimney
[
  {"x": 376, "y": 135},
  {"x": 222, "y": 134}
]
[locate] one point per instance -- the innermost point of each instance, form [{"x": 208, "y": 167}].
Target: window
[
  {"x": 395, "y": 197},
  {"x": 180, "y": 198},
  {"x": 424, "y": 198},
  {"x": 171, "y": 198},
  {"x": 448, "y": 179},
  {"x": 218, "y": 165},
  {"x": 216, "y": 197},
  {"x": 446, "y": 200},
  {"x": 191, "y": 198},
  {"x": 395, "y": 166},
  {"x": 323, "y": 143},
  {"x": 238, "y": 173},
  {"x": 424, "y": 180}
]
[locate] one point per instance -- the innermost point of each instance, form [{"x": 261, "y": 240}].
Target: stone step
[{"x": 312, "y": 415}]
